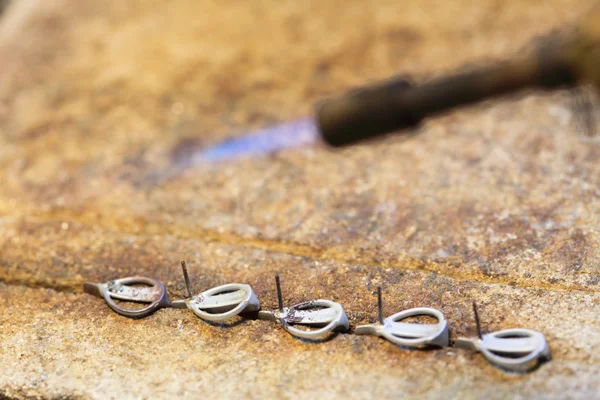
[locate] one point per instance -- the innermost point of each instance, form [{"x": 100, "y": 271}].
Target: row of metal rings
[{"x": 518, "y": 350}]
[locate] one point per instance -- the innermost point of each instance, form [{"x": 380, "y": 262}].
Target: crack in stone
[{"x": 140, "y": 227}]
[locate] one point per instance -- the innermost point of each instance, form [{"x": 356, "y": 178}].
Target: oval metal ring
[
  {"x": 526, "y": 347},
  {"x": 416, "y": 335},
  {"x": 224, "y": 301},
  {"x": 315, "y": 313},
  {"x": 119, "y": 289}
]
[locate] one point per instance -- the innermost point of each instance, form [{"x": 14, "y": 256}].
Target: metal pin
[
  {"x": 279, "y": 295},
  {"x": 585, "y": 105},
  {"x": 379, "y": 305},
  {"x": 187, "y": 279},
  {"x": 477, "y": 320}
]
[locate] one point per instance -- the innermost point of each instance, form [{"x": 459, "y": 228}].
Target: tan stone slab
[
  {"x": 61, "y": 344},
  {"x": 106, "y": 110}
]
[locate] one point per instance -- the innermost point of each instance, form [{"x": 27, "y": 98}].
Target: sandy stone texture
[{"x": 135, "y": 134}]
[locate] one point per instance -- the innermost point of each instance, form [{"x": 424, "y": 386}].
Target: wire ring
[
  {"x": 249, "y": 303},
  {"x": 339, "y": 319}
]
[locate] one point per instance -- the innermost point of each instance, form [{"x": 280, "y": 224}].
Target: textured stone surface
[{"x": 111, "y": 113}]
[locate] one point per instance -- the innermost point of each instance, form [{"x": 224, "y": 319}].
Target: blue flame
[{"x": 289, "y": 135}]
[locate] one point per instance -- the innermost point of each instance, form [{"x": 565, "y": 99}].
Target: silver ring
[
  {"x": 119, "y": 289},
  {"x": 221, "y": 302},
  {"x": 328, "y": 315},
  {"x": 407, "y": 334}
]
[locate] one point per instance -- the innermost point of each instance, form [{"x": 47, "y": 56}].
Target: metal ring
[
  {"x": 339, "y": 319},
  {"x": 422, "y": 336},
  {"x": 514, "y": 341},
  {"x": 249, "y": 302},
  {"x": 157, "y": 300}
]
